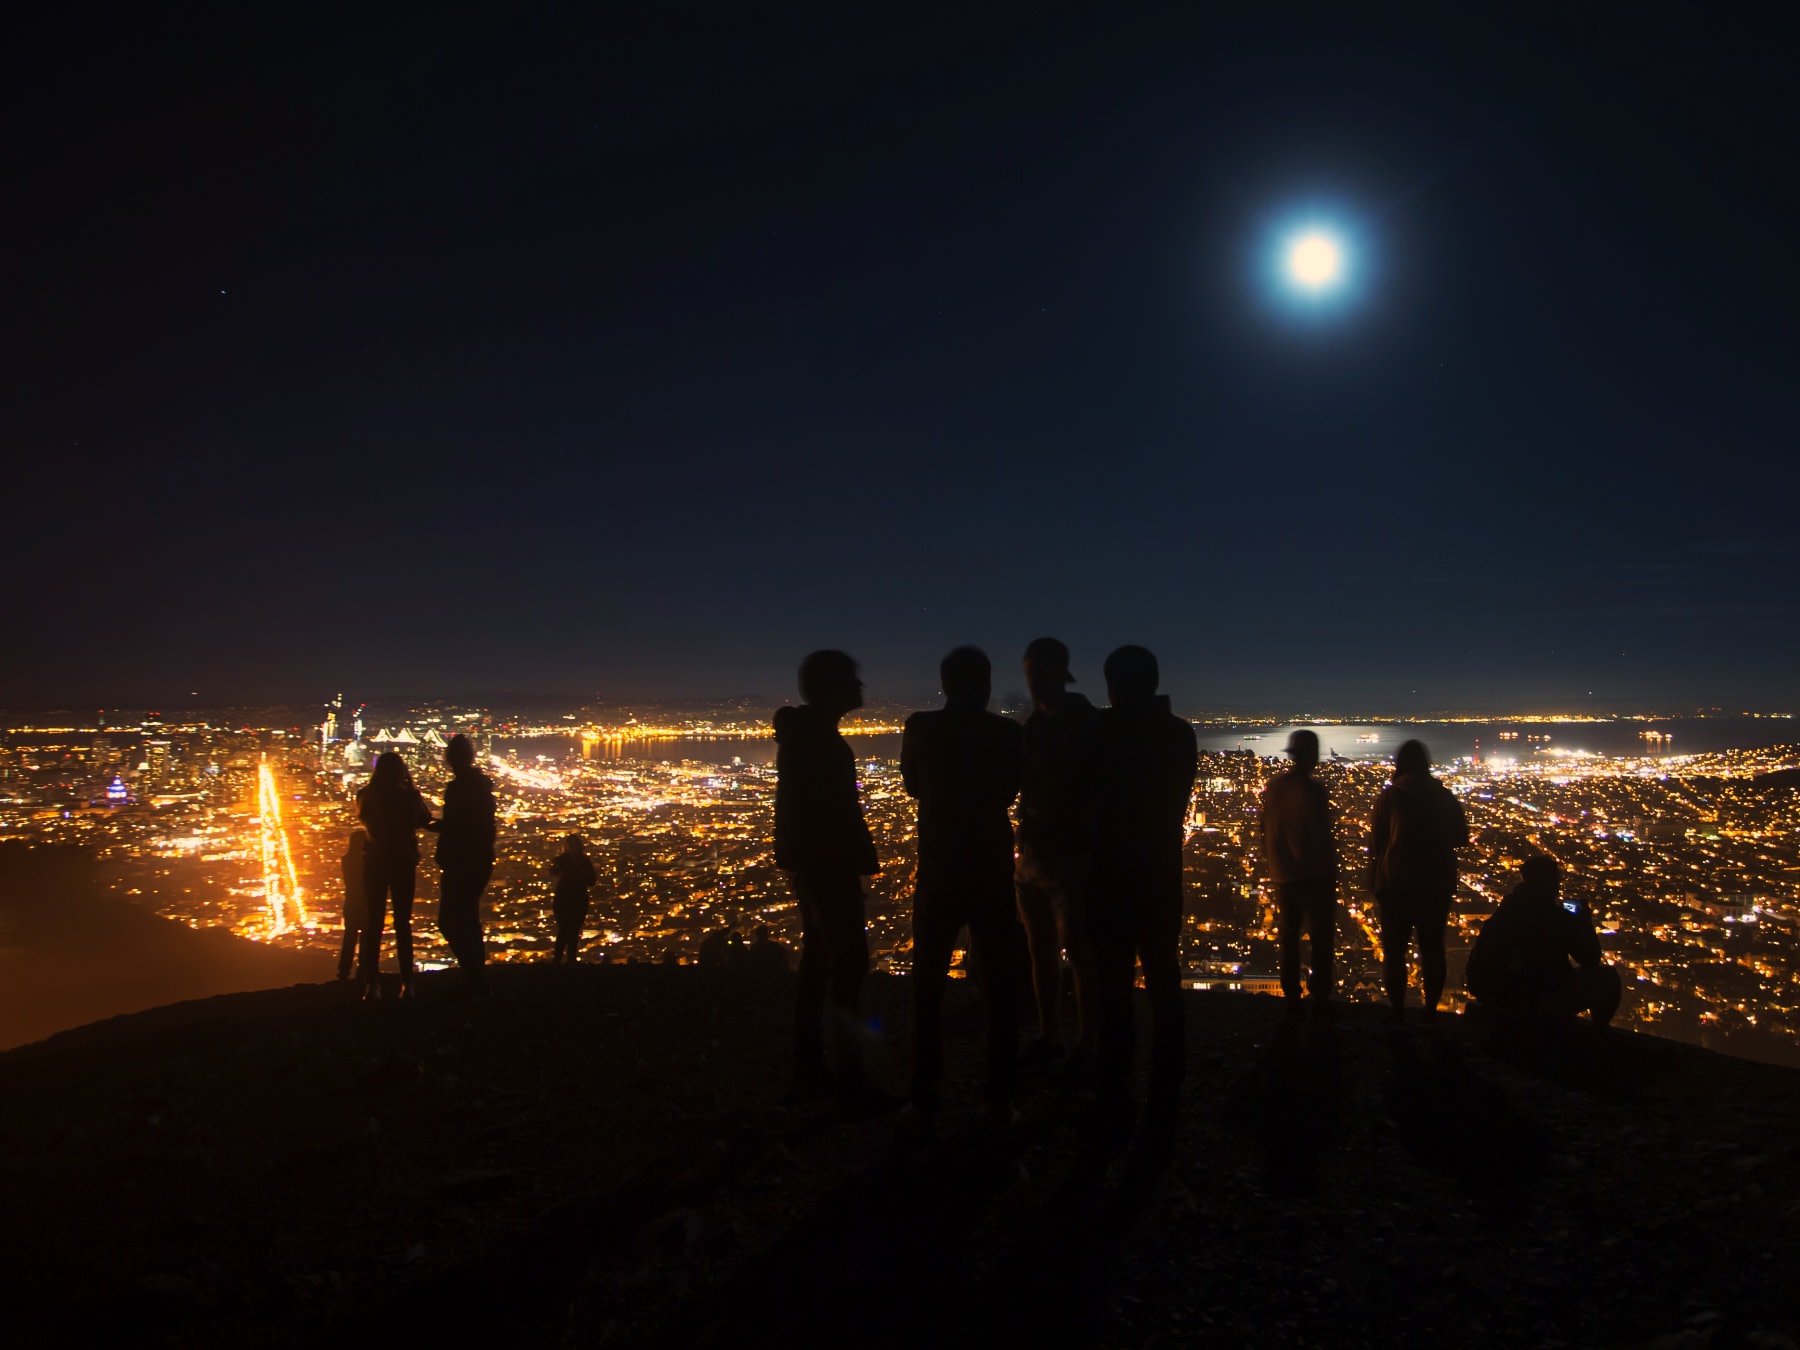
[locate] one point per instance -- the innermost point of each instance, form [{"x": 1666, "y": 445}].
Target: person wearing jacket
[
  {"x": 465, "y": 853},
  {"x": 1418, "y": 825},
  {"x": 963, "y": 764},
  {"x": 1300, "y": 859},
  {"x": 1145, "y": 762},
  {"x": 394, "y": 812},
  {"x": 571, "y": 878},
  {"x": 824, "y": 846},
  {"x": 1520, "y": 967},
  {"x": 1056, "y": 828}
]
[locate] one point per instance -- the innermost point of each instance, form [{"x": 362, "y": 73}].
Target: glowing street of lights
[{"x": 281, "y": 886}]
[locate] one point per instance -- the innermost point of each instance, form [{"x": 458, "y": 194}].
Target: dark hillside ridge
[
  {"x": 593, "y": 1156},
  {"x": 71, "y": 953}
]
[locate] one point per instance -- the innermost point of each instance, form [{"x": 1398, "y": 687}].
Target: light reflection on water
[{"x": 1353, "y": 741}]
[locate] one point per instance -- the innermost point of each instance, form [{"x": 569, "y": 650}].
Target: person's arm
[
  {"x": 1379, "y": 826},
  {"x": 1322, "y": 823},
  {"x": 911, "y": 772},
  {"x": 1583, "y": 941},
  {"x": 1459, "y": 822}
]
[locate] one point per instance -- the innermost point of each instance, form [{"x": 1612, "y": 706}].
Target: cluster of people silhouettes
[
  {"x": 1090, "y": 872},
  {"x": 381, "y": 863},
  {"x": 1093, "y": 871}
]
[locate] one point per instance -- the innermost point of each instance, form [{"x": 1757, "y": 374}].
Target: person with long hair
[{"x": 394, "y": 812}]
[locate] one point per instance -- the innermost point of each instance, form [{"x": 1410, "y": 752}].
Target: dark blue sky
[{"x": 640, "y": 352}]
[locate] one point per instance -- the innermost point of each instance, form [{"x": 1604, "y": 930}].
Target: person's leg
[
  {"x": 347, "y": 950},
  {"x": 935, "y": 926},
  {"x": 453, "y": 894},
  {"x": 576, "y": 927},
  {"x": 847, "y": 967},
  {"x": 1594, "y": 990},
  {"x": 1160, "y": 952},
  {"x": 375, "y": 889},
  {"x": 809, "y": 992},
  {"x": 1433, "y": 919},
  {"x": 1289, "y": 913},
  {"x": 1396, "y": 929},
  {"x": 1115, "y": 954},
  {"x": 994, "y": 929},
  {"x": 1321, "y": 906},
  {"x": 1042, "y": 940},
  {"x": 404, "y": 880},
  {"x": 1069, "y": 899},
  {"x": 469, "y": 946}
]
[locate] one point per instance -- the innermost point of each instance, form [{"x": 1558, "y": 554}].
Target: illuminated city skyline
[{"x": 1679, "y": 833}]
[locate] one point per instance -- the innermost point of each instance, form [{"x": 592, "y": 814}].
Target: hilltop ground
[
  {"x": 71, "y": 952},
  {"x": 592, "y": 1156}
]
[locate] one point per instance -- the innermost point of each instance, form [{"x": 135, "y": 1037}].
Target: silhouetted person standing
[
  {"x": 465, "y": 852},
  {"x": 824, "y": 846},
  {"x": 1144, "y": 775},
  {"x": 1301, "y": 861},
  {"x": 1520, "y": 966},
  {"x": 963, "y": 764},
  {"x": 1418, "y": 826},
  {"x": 1057, "y": 808},
  {"x": 394, "y": 812},
  {"x": 356, "y": 903},
  {"x": 571, "y": 878}
]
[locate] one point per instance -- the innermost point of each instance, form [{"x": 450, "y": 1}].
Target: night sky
[{"x": 639, "y": 353}]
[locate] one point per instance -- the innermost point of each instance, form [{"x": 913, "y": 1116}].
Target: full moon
[{"x": 1314, "y": 260}]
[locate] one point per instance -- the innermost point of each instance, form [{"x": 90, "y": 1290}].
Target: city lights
[
  {"x": 281, "y": 886},
  {"x": 1691, "y": 869}
]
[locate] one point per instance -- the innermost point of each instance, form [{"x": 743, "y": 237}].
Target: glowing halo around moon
[
  {"x": 1315, "y": 260},
  {"x": 1316, "y": 266}
]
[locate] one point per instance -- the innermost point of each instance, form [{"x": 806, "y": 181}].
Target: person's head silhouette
[
  {"x": 1303, "y": 748},
  {"x": 830, "y": 682},
  {"x": 1411, "y": 758},
  {"x": 459, "y": 754},
  {"x": 967, "y": 678},
  {"x": 1047, "y": 670},
  {"x": 1131, "y": 675},
  {"x": 1542, "y": 872},
  {"x": 390, "y": 771}
]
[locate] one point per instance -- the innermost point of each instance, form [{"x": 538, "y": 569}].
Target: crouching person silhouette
[
  {"x": 963, "y": 764},
  {"x": 1520, "y": 969},
  {"x": 824, "y": 846}
]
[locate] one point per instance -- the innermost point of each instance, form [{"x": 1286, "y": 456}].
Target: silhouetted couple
[
  {"x": 393, "y": 812},
  {"x": 1418, "y": 826}
]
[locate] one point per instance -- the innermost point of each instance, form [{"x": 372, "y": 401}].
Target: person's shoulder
[{"x": 1001, "y": 727}]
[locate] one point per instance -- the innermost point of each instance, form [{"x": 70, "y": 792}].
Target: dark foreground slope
[
  {"x": 70, "y": 952},
  {"x": 592, "y": 1157}
]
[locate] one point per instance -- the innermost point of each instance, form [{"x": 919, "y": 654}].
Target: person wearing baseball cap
[{"x": 1055, "y": 846}]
